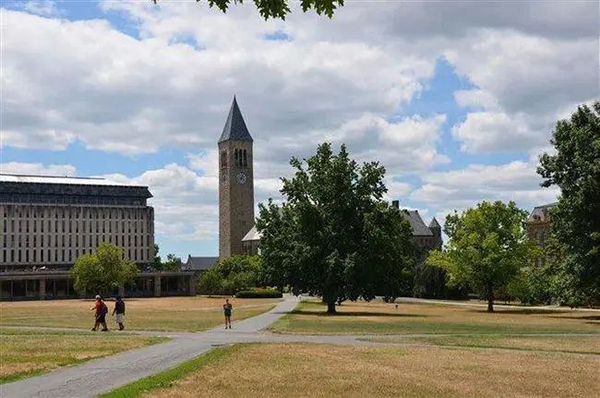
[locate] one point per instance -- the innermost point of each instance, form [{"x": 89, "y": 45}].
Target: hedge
[{"x": 259, "y": 293}]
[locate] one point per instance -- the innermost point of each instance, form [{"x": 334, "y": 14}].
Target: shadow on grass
[
  {"x": 357, "y": 313},
  {"x": 523, "y": 311}
]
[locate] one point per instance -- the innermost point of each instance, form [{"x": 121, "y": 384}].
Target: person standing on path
[
  {"x": 227, "y": 308},
  {"x": 100, "y": 314},
  {"x": 120, "y": 311}
]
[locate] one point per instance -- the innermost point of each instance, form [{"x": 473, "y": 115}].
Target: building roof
[
  {"x": 200, "y": 263},
  {"x": 235, "y": 128},
  {"x": 41, "y": 179},
  {"x": 252, "y": 235},
  {"x": 416, "y": 222},
  {"x": 64, "y": 185},
  {"x": 540, "y": 213},
  {"x": 434, "y": 223}
]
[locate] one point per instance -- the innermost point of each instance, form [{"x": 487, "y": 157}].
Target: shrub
[{"x": 259, "y": 293}]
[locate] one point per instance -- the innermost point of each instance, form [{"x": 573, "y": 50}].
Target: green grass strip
[{"x": 167, "y": 378}]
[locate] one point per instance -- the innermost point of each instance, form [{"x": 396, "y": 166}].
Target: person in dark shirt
[
  {"x": 227, "y": 308},
  {"x": 120, "y": 311}
]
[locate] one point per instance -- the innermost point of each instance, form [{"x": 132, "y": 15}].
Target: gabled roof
[
  {"x": 252, "y": 235},
  {"x": 434, "y": 223},
  {"x": 540, "y": 213},
  {"x": 416, "y": 222},
  {"x": 235, "y": 128},
  {"x": 200, "y": 263}
]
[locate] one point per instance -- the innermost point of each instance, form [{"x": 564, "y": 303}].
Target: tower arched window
[
  {"x": 236, "y": 157},
  {"x": 224, "y": 159},
  {"x": 245, "y": 159}
]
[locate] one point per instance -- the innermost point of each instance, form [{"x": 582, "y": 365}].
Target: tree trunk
[
  {"x": 490, "y": 297},
  {"x": 331, "y": 308}
]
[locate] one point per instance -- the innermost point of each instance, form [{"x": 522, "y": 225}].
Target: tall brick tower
[{"x": 236, "y": 183}]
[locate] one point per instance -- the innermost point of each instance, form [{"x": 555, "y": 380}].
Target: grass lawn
[
  {"x": 26, "y": 353},
  {"x": 310, "y": 370},
  {"x": 185, "y": 314},
  {"x": 378, "y": 317}
]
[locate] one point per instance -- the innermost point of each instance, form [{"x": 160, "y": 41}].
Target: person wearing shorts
[
  {"x": 120, "y": 312},
  {"x": 100, "y": 311},
  {"x": 227, "y": 308}
]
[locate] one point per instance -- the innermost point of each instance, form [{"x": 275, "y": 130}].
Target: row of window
[
  {"x": 63, "y": 255},
  {"x": 72, "y": 200},
  {"x": 93, "y": 213},
  {"x": 74, "y": 226},
  {"x": 14, "y": 241},
  {"x": 240, "y": 158}
]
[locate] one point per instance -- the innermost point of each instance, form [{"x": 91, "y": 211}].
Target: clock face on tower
[{"x": 241, "y": 178}]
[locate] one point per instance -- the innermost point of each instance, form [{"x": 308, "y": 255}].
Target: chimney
[{"x": 396, "y": 204}]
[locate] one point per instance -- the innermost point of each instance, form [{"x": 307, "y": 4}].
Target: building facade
[
  {"x": 539, "y": 228},
  {"x": 236, "y": 183},
  {"x": 48, "y": 222}
]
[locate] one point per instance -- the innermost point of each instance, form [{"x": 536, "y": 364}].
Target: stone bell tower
[{"x": 236, "y": 183}]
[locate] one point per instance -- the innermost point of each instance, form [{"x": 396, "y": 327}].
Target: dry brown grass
[
  {"x": 157, "y": 314},
  {"x": 304, "y": 370},
  {"x": 25, "y": 352},
  {"x": 381, "y": 318}
]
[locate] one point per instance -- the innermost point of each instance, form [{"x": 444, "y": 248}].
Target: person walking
[
  {"x": 100, "y": 310},
  {"x": 227, "y": 308},
  {"x": 120, "y": 311}
]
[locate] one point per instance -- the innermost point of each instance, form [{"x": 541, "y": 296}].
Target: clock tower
[{"x": 236, "y": 183}]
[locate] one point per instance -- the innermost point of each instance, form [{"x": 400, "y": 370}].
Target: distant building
[
  {"x": 251, "y": 241},
  {"x": 424, "y": 237},
  {"x": 539, "y": 227},
  {"x": 48, "y": 222},
  {"x": 199, "y": 264}
]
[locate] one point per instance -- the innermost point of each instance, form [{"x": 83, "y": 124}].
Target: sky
[{"x": 457, "y": 99}]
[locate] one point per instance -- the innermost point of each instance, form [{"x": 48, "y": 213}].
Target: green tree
[
  {"x": 210, "y": 282},
  {"x": 103, "y": 271},
  {"x": 280, "y": 8},
  {"x": 487, "y": 248},
  {"x": 172, "y": 264},
  {"x": 231, "y": 275},
  {"x": 335, "y": 236},
  {"x": 157, "y": 261},
  {"x": 575, "y": 169}
]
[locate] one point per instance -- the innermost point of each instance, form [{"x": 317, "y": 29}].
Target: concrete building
[{"x": 48, "y": 222}]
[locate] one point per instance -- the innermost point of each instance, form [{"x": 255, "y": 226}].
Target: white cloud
[
  {"x": 37, "y": 169},
  {"x": 496, "y": 131},
  {"x": 458, "y": 189}
]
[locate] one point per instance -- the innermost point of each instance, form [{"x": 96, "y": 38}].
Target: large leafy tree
[
  {"x": 334, "y": 236},
  {"x": 231, "y": 275},
  {"x": 487, "y": 248},
  {"x": 575, "y": 168},
  {"x": 103, "y": 271},
  {"x": 279, "y": 8}
]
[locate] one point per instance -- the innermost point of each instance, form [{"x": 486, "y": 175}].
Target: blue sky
[{"x": 457, "y": 111}]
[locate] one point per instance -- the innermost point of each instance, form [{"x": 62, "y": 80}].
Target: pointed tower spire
[
  {"x": 434, "y": 224},
  {"x": 235, "y": 128}
]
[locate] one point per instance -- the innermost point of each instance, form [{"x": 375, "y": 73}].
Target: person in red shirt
[{"x": 100, "y": 309}]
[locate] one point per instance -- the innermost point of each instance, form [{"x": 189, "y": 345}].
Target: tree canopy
[
  {"x": 334, "y": 236},
  {"x": 103, "y": 271},
  {"x": 575, "y": 168},
  {"x": 279, "y": 8},
  {"x": 487, "y": 248},
  {"x": 231, "y": 275}
]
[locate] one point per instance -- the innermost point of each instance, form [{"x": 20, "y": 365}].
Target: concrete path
[{"x": 105, "y": 374}]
